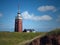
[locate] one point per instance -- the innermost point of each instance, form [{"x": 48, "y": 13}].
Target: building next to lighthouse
[{"x": 18, "y": 22}]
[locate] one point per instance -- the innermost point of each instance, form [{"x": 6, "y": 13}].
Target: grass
[
  {"x": 15, "y": 38},
  {"x": 55, "y": 32}
]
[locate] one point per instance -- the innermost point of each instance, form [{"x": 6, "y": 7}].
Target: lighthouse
[{"x": 18, "y": 22}]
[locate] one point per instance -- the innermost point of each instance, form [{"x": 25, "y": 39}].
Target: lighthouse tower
[{"x": 18, "y": 22}]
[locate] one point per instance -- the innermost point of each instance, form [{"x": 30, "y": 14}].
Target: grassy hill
[
  {"x": 15, "y": 38},
  {"x": 55, "y": 32}
]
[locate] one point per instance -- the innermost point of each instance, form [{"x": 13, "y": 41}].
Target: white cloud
[
  {"x": 47, "y": 8},
  {"x": 26, "y": 15},
  {"x": 58, "y": 19},
  {"x": 0, "y": 14}
]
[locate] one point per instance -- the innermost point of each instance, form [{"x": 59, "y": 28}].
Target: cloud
[
  {"x": 58, "y": 19},
  {"x": 5, "y": 25},
  {"x": 1, "y": 14},
  {"x": 26, "y": 15},
  {"x": 47, "y": 8}
]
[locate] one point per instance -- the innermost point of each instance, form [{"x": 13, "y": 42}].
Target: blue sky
[{"x": 41, "y": 15}]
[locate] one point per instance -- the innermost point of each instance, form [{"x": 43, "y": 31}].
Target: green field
[
  {"x": 16, "y": 38},
  {"x": 55, "y": 31}
]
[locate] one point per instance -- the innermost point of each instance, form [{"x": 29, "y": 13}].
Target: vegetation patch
[{"x": 15, "y": 38}]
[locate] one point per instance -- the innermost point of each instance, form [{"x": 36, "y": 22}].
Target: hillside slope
[
  {"x": 15, "y": 38},
  {"x": 50, "y": 38},
  {"x": 55, "y": 32}
]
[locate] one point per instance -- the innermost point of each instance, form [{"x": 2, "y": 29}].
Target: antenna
[{"x": 18, "y": 7}]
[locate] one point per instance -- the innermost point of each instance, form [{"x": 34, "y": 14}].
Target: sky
[{"x": 41, "y": 15}]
